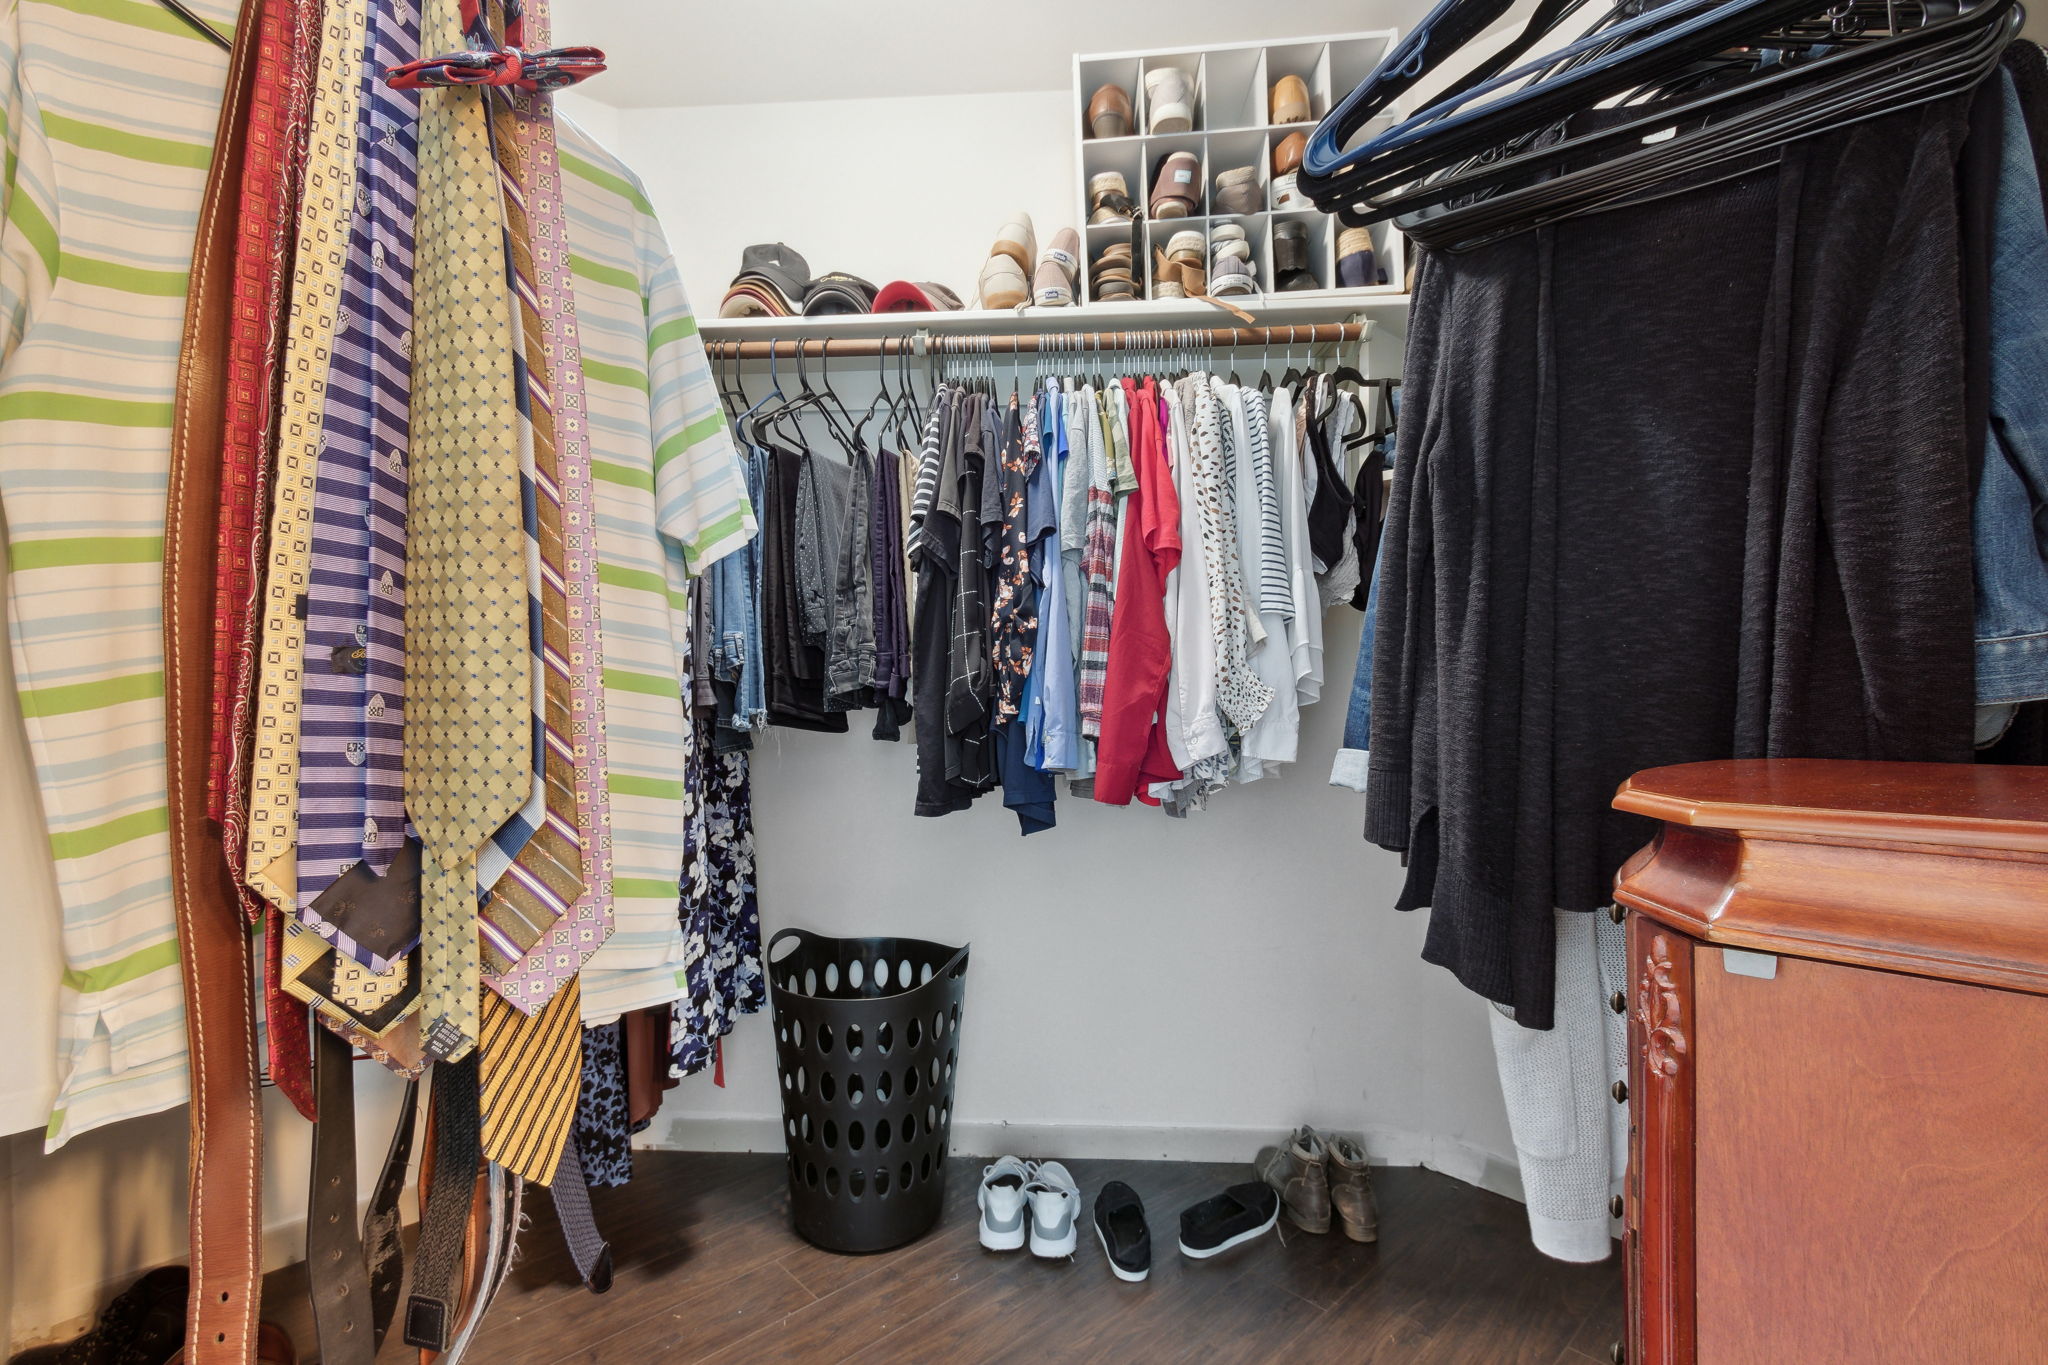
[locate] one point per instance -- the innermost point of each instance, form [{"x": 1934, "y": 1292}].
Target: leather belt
[
  {"x": 354, "y": 1280},
  {"x": 226, "y": 1116},
  {"x": 335, "y": 1272},
  {"x": 383, "y": 1249}
]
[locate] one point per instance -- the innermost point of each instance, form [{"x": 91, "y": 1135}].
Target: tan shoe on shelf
[
  {"x": 1109, "y": 112},
  {"x": 1298, "y": 1170},
  {"x": 1351, "y": 1190},
  {"x": 1287, "y": 153},
  {"x": 1003, "y": 283},
  {"x": 1109, "y": 199},
  {"x": 1290, "y": 100},
  {"x": 1017, "y": 240}
]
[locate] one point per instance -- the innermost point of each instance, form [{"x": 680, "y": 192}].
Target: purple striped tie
[{"x": 351, "y": 780}]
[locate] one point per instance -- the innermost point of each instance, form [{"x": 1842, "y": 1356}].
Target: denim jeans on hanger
[
  {"x": 735, "y": 584},
  {"x": 2010, "y": 517},
  {"x": 1348, "y": 769}
]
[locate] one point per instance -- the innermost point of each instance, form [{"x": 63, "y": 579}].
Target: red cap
[{"x": 904, "y": 296}]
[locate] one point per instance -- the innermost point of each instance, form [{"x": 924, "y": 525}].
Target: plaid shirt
[{"x": 1098, "y": 567}]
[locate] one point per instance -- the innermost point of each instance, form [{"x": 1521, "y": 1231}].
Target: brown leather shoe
[
  {"x": 1287, "y": 154},
  {"x": 1298, "y": 1170},
  {"x": 1351, "y": 1191},
  {"x": 1109, "y": 112}
]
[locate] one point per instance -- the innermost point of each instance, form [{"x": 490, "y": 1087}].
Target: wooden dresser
[{"x": 1838, "y": 1064}]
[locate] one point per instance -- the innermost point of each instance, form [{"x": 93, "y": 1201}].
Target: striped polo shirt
[
  {"x": 110, "y": 109},
  {"x": 671, "y": 500}
]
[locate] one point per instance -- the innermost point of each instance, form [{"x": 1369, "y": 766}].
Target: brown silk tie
[
  {"x": 225, "y": 1164},
  {"x": 531, "y": 1066}
]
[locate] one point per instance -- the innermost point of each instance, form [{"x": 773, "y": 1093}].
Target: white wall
[
  {"x": 1140, "y": 986},
  {"x": 912, "y": 188}
]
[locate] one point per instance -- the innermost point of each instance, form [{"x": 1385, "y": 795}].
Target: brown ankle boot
[
  {"x": 1297, "y": 1171},
  {"x": 1351, "y": 1190}
]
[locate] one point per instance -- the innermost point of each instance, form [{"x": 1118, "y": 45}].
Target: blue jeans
[
  {"x": 2010, "y": 518},
  {"x": 735, "y": 586},
  {"x": 1349, "y": 768}
]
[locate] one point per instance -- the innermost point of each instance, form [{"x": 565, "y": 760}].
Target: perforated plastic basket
[{"x": 866, "y": 1042}]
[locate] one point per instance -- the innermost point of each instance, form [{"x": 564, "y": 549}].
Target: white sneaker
[
  {"x": 1001, "y": 1200},
  {"x": 1055, "y": 1211}
]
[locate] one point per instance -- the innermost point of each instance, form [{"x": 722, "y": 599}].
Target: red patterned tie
[{"x": 281, "y": 100}]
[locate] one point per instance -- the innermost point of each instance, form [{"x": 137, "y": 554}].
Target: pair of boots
[{"x": 1316, "y": 1175}]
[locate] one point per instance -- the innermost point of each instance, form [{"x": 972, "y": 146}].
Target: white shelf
[
  {"x": 1301, "y": 309},
  {"x": 1232, "y": 128}
]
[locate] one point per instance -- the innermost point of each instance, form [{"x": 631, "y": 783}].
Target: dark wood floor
[{"x": 708, "y": 1269}]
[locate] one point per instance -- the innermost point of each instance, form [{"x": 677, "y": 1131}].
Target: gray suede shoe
[
  {"x": 1351, "y": 1191},
  {"x": 1298, "y": 1172}
]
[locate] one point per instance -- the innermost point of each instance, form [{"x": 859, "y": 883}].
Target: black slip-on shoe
[
  {"x": 1120, "y": 1226},
  {"x": 1230, "y": 1219}
]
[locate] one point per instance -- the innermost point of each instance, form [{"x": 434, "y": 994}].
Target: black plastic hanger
[
  {"x": 1854, "y": 83},
  {"x": 910, "y": 416},
  {"x": 882, "y": 395},
  {"x": 1668, "y": 37},
  {"x": 764, "y": 411},
  {"x": 199, "y": 25},
  {"x": 844, "y": 428},
  {"x": 1747, "y": 77},
  {"x": 1348, "y": 374}
]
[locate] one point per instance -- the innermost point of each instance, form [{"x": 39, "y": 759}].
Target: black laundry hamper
[{"x": 866, "y": 1042}]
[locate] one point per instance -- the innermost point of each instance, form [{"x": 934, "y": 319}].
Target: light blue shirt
[{"x": 1052, "y": 714}]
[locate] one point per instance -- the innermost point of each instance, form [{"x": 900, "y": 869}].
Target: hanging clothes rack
[{"x": 925, "y": 343}]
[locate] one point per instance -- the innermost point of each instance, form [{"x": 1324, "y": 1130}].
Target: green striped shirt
[
  {"x": 671, "y": 499},
  {"x": 110, "y": 108}
]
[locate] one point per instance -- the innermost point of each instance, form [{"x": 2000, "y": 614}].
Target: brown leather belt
[{"x": 225, "y": 1165}]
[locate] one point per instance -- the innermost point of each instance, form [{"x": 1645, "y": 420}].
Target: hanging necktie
[
  {"x": 468, "y": 741},
  {"x": 281, "y": 98},
  {"x": 392, "y": 159},
  {"x": 358, "y": 879},
  {"x": 351, "y": 780},
  {"x": 530, "y": 1066},
  {"x": 560, "y": 954},
  {"x": 322, "y": 250}
]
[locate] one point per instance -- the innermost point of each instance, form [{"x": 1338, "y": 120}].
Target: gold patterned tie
[
  {"x": 316, "y": 293},
  {"x": 530, "y": 1067},
  {"x": 468, "y": 742}
]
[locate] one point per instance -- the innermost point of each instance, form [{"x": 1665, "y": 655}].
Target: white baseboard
[{"x": 1116, "y": 1141}]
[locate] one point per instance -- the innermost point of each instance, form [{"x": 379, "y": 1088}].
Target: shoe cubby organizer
[{"x": 1232, "y": 127}]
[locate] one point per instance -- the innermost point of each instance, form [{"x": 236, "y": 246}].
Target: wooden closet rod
[{"x": 1064, "y": 343}]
